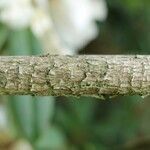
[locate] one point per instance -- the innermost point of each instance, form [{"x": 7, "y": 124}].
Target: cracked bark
[{"x": 87, "y": 75}]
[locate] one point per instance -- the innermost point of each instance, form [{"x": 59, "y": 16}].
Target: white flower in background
[
  {"x": 22, "y": 144},
  {"x": 16, "y": 13},
  {"x": 75, "y": 20},
  {"x": 63, "y": 26}
]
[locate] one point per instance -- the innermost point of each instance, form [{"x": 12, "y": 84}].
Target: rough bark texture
[{"x": 75, "y": 75}]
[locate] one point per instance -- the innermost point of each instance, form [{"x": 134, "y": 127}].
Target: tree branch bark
[{"x": 86, "y": 75}]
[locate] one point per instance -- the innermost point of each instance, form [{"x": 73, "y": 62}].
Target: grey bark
[{"x": 85, "y": 75}]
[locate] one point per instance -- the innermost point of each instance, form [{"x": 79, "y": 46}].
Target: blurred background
[{"x": 35, "y": 27}]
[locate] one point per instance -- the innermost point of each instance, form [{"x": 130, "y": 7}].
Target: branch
[{"x": 75, "y": 75}]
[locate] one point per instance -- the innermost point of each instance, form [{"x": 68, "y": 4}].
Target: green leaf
[
  {"x": 19, "y": 42},
  {"x": 32, "y": 114},
  {"x": 83, "y": 107},
  {"x": 22, "y": 107},
  {"x": 36, "y": 45},
  {"x": 44, "y": 105},
  {"x": 52, "y": 139},
  {"x": 44, "y": 112},
  {"x": 3, "y": 35},
  {"x": 22, "y": 111}
]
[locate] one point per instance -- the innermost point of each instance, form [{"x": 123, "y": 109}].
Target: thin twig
[{"x": 86, "y": 75}]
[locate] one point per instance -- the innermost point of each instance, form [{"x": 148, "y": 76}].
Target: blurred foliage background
[{"x": 48, "y": 123}]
